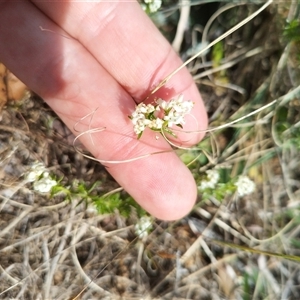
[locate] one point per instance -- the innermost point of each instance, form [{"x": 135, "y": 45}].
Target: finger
[
  {"x": 127, "y": 44},
  {"x": 73, "y": 83}
]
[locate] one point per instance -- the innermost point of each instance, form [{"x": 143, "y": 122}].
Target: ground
[{"x": 229, "y": 247}]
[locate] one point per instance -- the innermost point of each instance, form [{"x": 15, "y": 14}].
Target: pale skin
[{"x": 113, "y": 57}]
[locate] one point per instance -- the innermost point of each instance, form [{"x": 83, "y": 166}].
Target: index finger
[
  {"x": 70, "y": 78},
  {"x": 128, "y": 45}
]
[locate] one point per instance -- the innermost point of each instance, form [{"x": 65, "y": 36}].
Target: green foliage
[
  {"x": 219, "y": 192},
  {"x": 106, "y": 204},
  {"x": 295, "y": 243},
  {"x": 292, "y": 31},
  {"x": 295, "y": 141},
  {"x": 189, "y": 157},
  {"x": 291, "y": 136},
  {"x": 247, "y": 286},
  {"x": 151, "y": 6},
  {"x": 248, "y": 283},
  {"x": 197, "y": 157},
  {"x": 217, "y": 53},
  {"x": 292, "y": 35},
  {"x": 286, "y": 132}
]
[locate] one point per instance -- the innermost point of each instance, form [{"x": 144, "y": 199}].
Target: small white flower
[
  {"x": 150, "y": 108},
  {"x": 92, "y": 210},
  {"x": 212, "y": 179},
  {"x": 156, "y": 124},
  {"x": 143, "y": 227},
  {"x": 162, "y": 103},
  {"x": 143, "y": 108},
  {"x": 163, "y": 114},
  {"x": 37, "y": 169},
  {"x": 245, "y": 186},
  {"x": 176, "y": 109},
  {"x": 174, "y": 118},
  {"x": 44, "y": 185},
  {"x": 154, "y": 5},
  {"x": 39, "y": 175}
]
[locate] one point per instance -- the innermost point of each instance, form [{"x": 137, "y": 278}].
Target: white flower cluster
[
  {"x": 175, "y": 110},
  {"x": 161, "y": 115},
  {"x": 212, "y": 179},
  {"x": 245, "y": 186},
  {"x": 39, "y": 175},
  {"x": 143, "y": 227},
  {"x": 142, "y": 117},
  {"x": 37, "y": 169},
  {"x": 153, "y": 5}
]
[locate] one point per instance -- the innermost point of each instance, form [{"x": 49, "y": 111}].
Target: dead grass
[{"x": 53, "y": 249}]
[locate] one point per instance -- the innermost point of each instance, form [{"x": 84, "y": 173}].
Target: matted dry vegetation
[{"x": 51, "y": 248}]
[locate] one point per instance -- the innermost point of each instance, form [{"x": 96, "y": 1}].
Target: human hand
[{"x": 114, "y": 55}]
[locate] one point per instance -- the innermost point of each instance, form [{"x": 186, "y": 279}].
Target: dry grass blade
[
  {"x": 233, "y": 29},
  {"x": 230, "y": 246}
]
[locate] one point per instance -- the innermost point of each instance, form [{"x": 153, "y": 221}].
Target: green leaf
[
  {"x": 93, "y": 186},
  {"x": 218, "y": 53},
  {"x": 140, "y": 135},
  {"x": 292, "y": 31},
  {"x": 59, "y": 189}
]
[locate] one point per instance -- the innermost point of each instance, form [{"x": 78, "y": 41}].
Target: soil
[{"x": 52, "y": 248}]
